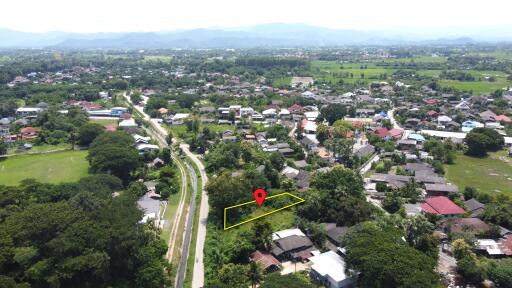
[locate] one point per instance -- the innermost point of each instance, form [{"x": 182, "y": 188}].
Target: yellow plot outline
[{"x": 301, "y": 200}]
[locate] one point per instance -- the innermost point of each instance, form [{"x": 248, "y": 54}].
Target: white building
[
  {"x": 329, "y": 269},
  {"x": 27, "y": 111}
]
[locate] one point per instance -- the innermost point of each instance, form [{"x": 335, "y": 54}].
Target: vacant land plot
[
  {"x": 55, "y": 167},
  {"x": 492, "y": 174}
]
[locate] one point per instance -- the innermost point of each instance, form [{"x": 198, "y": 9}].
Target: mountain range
[{"x": 265, "y": 35}]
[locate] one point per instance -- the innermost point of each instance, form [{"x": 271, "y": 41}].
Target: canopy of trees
[{"x": 77, "y": 235}]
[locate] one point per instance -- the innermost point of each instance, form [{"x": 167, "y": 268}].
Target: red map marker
[{"x": 259, "y": 196}]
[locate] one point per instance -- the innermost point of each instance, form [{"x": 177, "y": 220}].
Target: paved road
[
  {"x": 198, "y": 276},
  {"x": 182, "y": 269}
]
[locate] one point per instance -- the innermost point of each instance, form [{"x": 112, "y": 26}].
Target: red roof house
[
  {"x": 432, "y": 113},
  {"x": 441, "y": 205},
  {"x": 295, "y": 108},
  {"x": 28, "y": 133},
  {"x": 266, "y": 260},
  {"x": 503, "y": 118},
  {"x": 385, "y": 133}
]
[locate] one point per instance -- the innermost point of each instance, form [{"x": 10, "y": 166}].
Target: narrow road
[
  {"x": 182, "y": 269},
  {"x": 198, "y": 276}
]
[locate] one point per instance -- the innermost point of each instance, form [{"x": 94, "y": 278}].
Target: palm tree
[{"x": 255, "y": 273}]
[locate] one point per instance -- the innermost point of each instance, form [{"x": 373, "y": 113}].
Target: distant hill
[{"x": 267, "y": 35}]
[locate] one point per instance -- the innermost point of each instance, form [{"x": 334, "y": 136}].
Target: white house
[
  {"x": 179, "y": 118},
  {"x": 443, "y": 120},
  {"x": 329, "y": 269},
  {"x": 127, "y": 124},
  {"x": 27, "y": 111}
]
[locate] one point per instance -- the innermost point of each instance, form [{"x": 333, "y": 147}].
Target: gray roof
[
  {"x": 472, "y": 204},
  {"x": 300, "y": 163},
  {"x": 336, "y": 233},
  {"x": 365, "y": 150},
  {"x": 418, "y": 167},
  {"x": 441, "y": 188},
  {"x": 291, "y": 243},
  {"x": 412, "y": 208}
]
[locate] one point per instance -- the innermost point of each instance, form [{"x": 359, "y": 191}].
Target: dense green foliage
[{"x": 77, "y": 235}]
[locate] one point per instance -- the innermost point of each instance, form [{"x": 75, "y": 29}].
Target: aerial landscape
[{"x": 140, "y": 147}]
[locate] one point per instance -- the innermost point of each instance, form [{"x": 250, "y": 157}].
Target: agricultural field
[
  {"x": 370, "y": 71},
  {"x": 492, "y": 174},
  {"x": 156, "y": 58},
  {"x": 58, "y": 167}
]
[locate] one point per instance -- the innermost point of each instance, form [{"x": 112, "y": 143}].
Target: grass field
[
  {"x": 105, "y": 121},
  {"x": 490, "y": 175},
  {"x": 55, "y": 167},
  {"x": 180, "y": 131}
]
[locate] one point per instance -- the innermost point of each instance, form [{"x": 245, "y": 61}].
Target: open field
[
  {"x": 180, "y": 131},
  {"x": 490, "y": 175},
  {"x": 55, "y": 167},
  {"x": 113, "y": 121},
  {"x": 156, "y": 58}
]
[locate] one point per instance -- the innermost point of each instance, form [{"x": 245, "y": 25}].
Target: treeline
[
  {"x": 456, "y": 75},
  {"x": 266, "y": 62}
]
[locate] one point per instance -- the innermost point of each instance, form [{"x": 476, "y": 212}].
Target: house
[
  {"x": 147, "y": 148},
  {"x": 329, "y": 269},
  {"x": 208, "y": 109},
  {"x": 469, "y": 125},
  {"x": 128, "y": 124},
  {"x": 364, "y": 151},
  {"x": 4, "y": 130},
  {"x": 489, "y": 247},
  {"x": 335, "y": 233},
  {"x": 443, "y": 120},
  {"x": 476, "y": 208},
  {"x": 295, "y": 109},
  {"x": 268, "y": 262},
  {"x": 118, "y": 111},
  {"x": 472, "y": 226},
  {"x": 505, "y": 244},
  {"x": 364, "y": 113},
  {"x": 441, "y": 205},
  {"x": 179, "y": 118},
  {"x": 435, "y": 189},
  {"x": 291, "y": 245},
  {"x": 229, "y": 138},
  {"x": 29, "y": 133},
  {"x": 28, "y": 111},
  {"x": 503, "y": 119},
  {"x": 488, "y": 116},
  {"x": 141, "y": 139},
  {"x": 406, "y": 145}
]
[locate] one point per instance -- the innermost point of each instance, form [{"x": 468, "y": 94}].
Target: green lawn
[
  {"x": 491, "y": 174},
  {"x": 105, "y": 121},
  {"x": 55, "y": 167}
]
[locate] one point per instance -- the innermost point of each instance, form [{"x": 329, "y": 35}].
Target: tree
[
  {"x": 499, "y": 213},
  {"x": 232, "y": 275},
  {"x": 461, "y": 249},
  {"x": 339, "y": 181},
  {"x": 295, "y": 280},
  {"x": 225, "y": 191},
  {"x": 3, "y": 148},
  {"x": 113, "y": 153},
  {"x": 88, "y": 132},
  {"x": 255, "y": 274},
  {"x": 393, "y": 202},
  {"x": 262, "y": 231},
  {"x": 481, "y": 140},
  {"x": 385, "y": 260},
  {"x": 476, "y": 143},
  {"x": 500, "y": 272},
  {"x": 333, "y": 112},
  {"x": 322, "y": 133}
]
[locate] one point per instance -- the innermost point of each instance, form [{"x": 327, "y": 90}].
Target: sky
[{"x": 86, "y": 16}]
